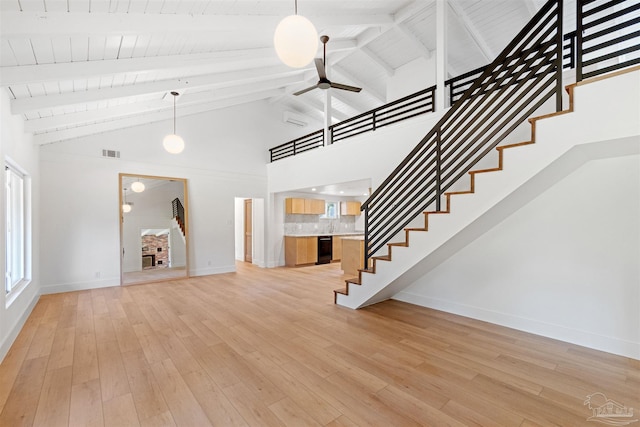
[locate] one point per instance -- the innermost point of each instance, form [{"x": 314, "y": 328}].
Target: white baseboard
[
  {"x": 213, "y": 270},
  {"x": 79, "y": 286},
  {"x": 8, "y": 340},
  {"x": 533, "y": 326}
]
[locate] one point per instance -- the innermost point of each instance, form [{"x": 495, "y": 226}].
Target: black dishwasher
[{"x": 324, "y": 249}]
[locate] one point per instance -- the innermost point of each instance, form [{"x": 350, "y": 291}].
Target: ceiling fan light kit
[
  {"x": 296, "y": 40},
  {"x": 323, "y": 81},
  {"x": 173, "y": 143}
]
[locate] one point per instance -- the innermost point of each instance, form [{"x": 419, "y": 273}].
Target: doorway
[{"x": 248, "y": 227}]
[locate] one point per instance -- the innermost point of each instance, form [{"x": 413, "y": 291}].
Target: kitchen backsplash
[{"x": 311, "y": 224}]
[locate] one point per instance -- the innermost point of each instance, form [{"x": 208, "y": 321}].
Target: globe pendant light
[
  {"x": 173, "y": 143},
  {"x": 137, "y": 187},
  {"x": 296, "y": 40},
  {"x": 126, "y": 207}
]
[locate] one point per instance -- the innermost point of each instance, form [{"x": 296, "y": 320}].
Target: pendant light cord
[{"x": 174, "y": 114}]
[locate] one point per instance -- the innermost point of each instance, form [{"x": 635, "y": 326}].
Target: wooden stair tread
[
  {"x": 342, "y": 291},
  {"x": 382, "y": 257},
  {"x": 403, "y": 244},
  {"x": 355, "y": 281}
]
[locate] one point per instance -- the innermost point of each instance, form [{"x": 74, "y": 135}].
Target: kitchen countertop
[
  {"x": 357, "y": 237},
  {"x": 353, "y": 233}
]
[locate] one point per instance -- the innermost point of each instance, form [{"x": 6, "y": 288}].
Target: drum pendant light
[
  {"x": 173, "y": 143},
  {"x": 296, "y": 40}
]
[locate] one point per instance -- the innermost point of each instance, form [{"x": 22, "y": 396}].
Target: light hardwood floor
[{"x": 269, "y": 347}]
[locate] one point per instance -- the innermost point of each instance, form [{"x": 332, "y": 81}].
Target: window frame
[{"x": 17, "y": 216}]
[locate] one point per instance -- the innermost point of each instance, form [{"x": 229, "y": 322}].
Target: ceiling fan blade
[
  {"x": 300, "y": 92},
  {"x": 320, "y": 67},
  {"x": 346, "y": 87}
]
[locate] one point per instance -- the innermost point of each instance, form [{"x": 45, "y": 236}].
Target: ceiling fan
[{"x": 324, "y": 82}]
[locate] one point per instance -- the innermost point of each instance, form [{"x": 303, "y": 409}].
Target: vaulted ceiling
[{"x": 78, "y": 67}]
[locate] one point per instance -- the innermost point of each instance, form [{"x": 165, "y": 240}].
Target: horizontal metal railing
[
  {"x": 297, "y": 146},
  {"x": 519, "y": 81},
  {"x": 608, "y": 36},
  {"x": 410, "y": 106}
]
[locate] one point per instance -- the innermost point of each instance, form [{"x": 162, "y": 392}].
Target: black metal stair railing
[
  {"x": 178, "y": 213},
  {"x": 523, "y": 77},
  {"x": 607, "y": 36}
]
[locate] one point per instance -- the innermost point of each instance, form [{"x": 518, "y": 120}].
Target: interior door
[{"x": 248, "y": 226}]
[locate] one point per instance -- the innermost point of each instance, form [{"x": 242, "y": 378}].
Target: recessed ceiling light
[
  {"x": 313, "y": 189},
  {"x": 341, "y": 192}
]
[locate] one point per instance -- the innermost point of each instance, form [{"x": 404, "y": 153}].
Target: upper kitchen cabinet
[
  {"x": 314, "y": 206},
  {"x": 294, "y": 206},
  {"x": 349, "y": 208},
  {"x": 303, "y": 206}
]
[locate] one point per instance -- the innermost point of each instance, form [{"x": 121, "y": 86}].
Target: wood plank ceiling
[{"x": 78, "y": 67}]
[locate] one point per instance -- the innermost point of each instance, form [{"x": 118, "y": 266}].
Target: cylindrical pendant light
[
  {"x": 296, "y": 40},
  {"x": 173, "y": 143}
]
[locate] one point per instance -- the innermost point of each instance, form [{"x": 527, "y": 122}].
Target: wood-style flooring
[{"x": 267, "y": 347}]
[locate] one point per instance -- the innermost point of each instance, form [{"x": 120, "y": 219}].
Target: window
[
  {"x": 331, "y": 210},
  {"x": 16, "y": 228}
]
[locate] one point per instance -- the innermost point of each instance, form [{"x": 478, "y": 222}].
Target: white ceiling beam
[
  {"x": 411, "y": 38},
  {"x": 36, "y": 24},
  {"x": 201, "y": 63},
  {"x": 319, "y": 107},
  {"x": 411, "y": 10},
  {"x": 120, "y": 111},
  {"x": 339, "y": 95},
  {"x": 473, "y": 31},
  {"x": 78, "y": 132},
  {"x": 343, "y": 74},
  {"x": 23, "y": 105},
  {"x": 378, "y": 61}
]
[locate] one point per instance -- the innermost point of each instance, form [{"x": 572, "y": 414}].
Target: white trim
[
  {"x": 79, "y": 286},
  {"x": 10, "y": 338},
  {"x": 214, "y": 270},
  {"x": 548, "y": 330}
]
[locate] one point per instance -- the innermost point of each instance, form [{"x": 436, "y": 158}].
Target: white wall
[
  {"x": 17, "y": 146},
  {"x": 564, "y": 266},
  {"x": 225, "y": 156},
  {"x": 412, "y": 77}
]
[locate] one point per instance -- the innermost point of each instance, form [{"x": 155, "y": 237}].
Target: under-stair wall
[{"x": 551, "y": 243}]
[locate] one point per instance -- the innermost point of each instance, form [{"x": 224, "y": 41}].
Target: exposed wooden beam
[
  {"x": 411, "y": 38},
  {"x": 378, "y": 61},
  {"x": 121, "y": 111},
  {"x": 201, "y": 63},
  {"x": 23, "y": 105},
  {"x": 473, "y": 31},
  {"x": 36, "y": 24},
  {"x": 142, "y": 119}
]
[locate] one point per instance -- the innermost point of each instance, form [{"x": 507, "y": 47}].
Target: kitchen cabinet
[
  {"x": 300, "y": 250},
  {"x": 352, "y": 254},
  {"x": 293, "y": 205},
  {"x": 350, "y": 208},
  {"x": 314, "y": 206},
  {"x": 336, "y": 248}
]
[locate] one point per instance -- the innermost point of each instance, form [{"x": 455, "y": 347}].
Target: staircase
[{"x": 471, "y": 129}]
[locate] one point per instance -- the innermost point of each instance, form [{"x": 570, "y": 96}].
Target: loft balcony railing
[{"x": 421, "y": 102}]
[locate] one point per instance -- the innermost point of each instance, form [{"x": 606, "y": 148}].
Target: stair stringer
[{"x": 527, "y": 170}]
